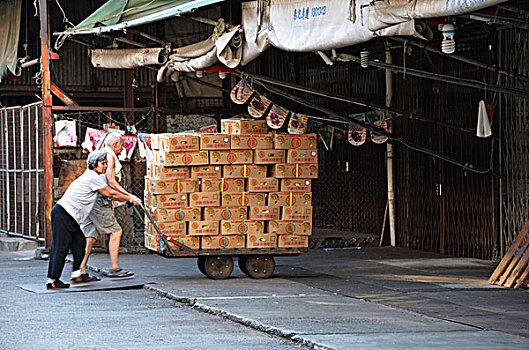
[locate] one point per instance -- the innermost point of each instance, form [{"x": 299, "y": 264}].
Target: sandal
[
  {"x": 84, "y": 278},
  {"x": 119, "y": 273},
  {"x": 58, "y": 284}
]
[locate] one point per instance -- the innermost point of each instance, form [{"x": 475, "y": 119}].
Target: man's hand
[{"x": 135, "y": 200}]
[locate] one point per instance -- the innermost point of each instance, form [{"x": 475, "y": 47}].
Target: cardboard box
[
  {"x": 296, "y": 185},
  {"x": 244, "y": 171},
  {"x": 243, "y": 126},
  {"x": 297, "y": 213},
  {"x": 152, "y": 242},
  {"x": 231, "y": 157},
  {"x": 171, "y": 228},
  {"x": 169, "y": 201},
  {"x": 302, "y": 156},
  {"x": 225, "y": 213},
  {"x": 265, "y": 184},
  {"x": 222, "y": 185},
  {"x": 160, "y": 172},
  {"x": 155, "y": 141},
  {"x": 243, "y": 199},
  {"x": 252, "y": 141},
  {"x": 264, "y": 213},
  {"x": 307, "y": 141},
  {"x": 292, "y": 241},
  {"x": 293, "y": 171},
  {"x": 223, "y": 242},
  {"x": 241, "y": 227},
  {"x": 203, "y": 228},
  {"x": 215, "y": 141},
  {"x": 146, "y": 197},
  {"x": 261, "y": 240},
  {"x": 172, "y": 186},
  {"x": 285, "y": 227},
  {"x": 206, "y": 171},
  {"x": 175, "y": 215},
  {"x": 270, "y": 156},
  {"x": 183, "y": 158},
  {"x": 204, "y": 199},
  {"x": 286, "y": 199},
  {"x": 179, "y": 142}
]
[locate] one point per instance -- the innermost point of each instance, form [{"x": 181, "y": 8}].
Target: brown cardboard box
[
  {"x": 171, "y": 228},
  {"x": 206, "y": 171},
  {"x": 307, "y": 141},
  {"x": 265, "y": 184},
  {"x": 155, "y": 141},
  {"x": 146, "y": 197},
  {"x": 152, "y": 242},
  {"x": 285, "y": 199},
  {"x": 182, "y": 158},
  {"x": 269, "y": 156},
  {"x": 296, "y": 185},
  {"x": 243, "y": 126},
  {"x": 161, "y": 172},
  {"x": 172, "y": 186},
  {"x": 292, "y": 241},
  {"x": 180, "y": 142},
  {"x": 169, "y": 201},
  {"x": 241, "y": 227},
  {"x": 294, "y": 171},
  {"x": 225, "y": 213},
  {"x": 243, "y": 199},
  {"x": 261, "y": 240},
  {"x": 231, "y": 157},
  {"x": 284, "y": 227},
  {"x": 204, "y": 199},
  {"x": 175, "y": 215},
  {"x": 214, "y": 141},
  {"x": 203, "y": 228},
  {"x": 222, "y": 185},
  {"x": 264, "y": 213},
  {"x": 297, "y": 213},
  {"x": 244, "y": 171},
  {"x": 252, "y": 141},
  {"x": 223, "y": 242},
  {"x": 302, "y": 156}
]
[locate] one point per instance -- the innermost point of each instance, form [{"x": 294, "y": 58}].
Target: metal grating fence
[{"x": 22, "y": 172}]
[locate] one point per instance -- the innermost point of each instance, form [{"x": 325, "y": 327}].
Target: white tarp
[{"x": 126, "y": 58}]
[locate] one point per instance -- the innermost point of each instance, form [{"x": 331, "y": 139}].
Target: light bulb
[
  {"x": 199, "y": 74},
  {"x": 448, "y": 45},
  {"x": 222, "y": 75},
  {"x": 364, "y": 57}
]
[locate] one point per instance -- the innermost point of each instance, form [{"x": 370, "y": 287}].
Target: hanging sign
[
  {"x": 356, "y": 134},
  {"x": 129, "y": 143},
  {"x": 297, "y": 123},
  {"x": 326, "y": 133},
  {"x": 65, "y": 133},
  {"x": 93, "y": 139},
  {"x": 241, "y": 93},
  {"x": 258, "y": 106},
  {"x": 276, "y": 117}
]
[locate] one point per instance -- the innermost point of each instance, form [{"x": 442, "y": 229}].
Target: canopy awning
[{"x": 116, "y": 15}]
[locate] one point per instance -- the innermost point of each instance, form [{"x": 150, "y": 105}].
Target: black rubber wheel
[
  {"x": 242, "y": 264},
  {"x": 260, "y": 266},
  {"x": 218, "y": 267},
  {"x": 201, "y": 261}
]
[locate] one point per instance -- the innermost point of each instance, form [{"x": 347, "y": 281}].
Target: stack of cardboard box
[{"x": 243, "y": 188}]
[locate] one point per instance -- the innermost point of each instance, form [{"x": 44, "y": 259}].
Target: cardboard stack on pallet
[{"x": 243, "y": 188}]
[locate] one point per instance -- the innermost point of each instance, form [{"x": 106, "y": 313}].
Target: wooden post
[{"x": 46, "y": 117}]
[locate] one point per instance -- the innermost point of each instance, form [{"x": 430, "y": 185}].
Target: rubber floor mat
[{"x": 104, "y": 284}]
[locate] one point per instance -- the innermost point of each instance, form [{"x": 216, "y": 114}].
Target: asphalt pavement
[{"x": 371, "y": 298}]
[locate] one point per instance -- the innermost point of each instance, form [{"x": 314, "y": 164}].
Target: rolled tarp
[{"x": 127, "y": 58}]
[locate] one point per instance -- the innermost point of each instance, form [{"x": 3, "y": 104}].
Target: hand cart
[{"x": 216, "y": 264}]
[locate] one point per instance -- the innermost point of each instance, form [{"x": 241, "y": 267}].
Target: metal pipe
[
  {"x": 389, "y": 155},
  {"x": 6, "y": 150},
  {"x": 22, "y": 185},
  {"x": 30, "y": 63},
  {"x": 46, "y": 117},
  {"x": 30, "y": 193},
  {"x": 438, "y": 77},
  {"x": 14, "y": 175},
  {"x": 490, "y": 19},
  {"x": 37, "y": 180}
]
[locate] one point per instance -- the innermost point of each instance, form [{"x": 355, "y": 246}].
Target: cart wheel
[
  {"x": 242, "y": 264},
  {"x": 260, "y": 266},
  {"x": 218, "y": 267},
  {"x": 201, "y": 261}
]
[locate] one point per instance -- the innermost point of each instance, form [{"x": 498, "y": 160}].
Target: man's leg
[
  {"x": 113, "y": 248},
  {"x": 90, "y": 241}
]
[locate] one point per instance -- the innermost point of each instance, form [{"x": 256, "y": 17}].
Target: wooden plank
[
  {"x": 509, "y": 255},
  {"x": 520, "y": 267},
  {"x": 523, "y": 278},
  {"x": 522, "y": 247}
]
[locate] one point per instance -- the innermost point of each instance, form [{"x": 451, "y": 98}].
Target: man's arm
[
  {"x": 118, "y": 196},
  {"x": 111, "y": 176}
]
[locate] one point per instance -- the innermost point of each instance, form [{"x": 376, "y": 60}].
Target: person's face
[
  {"x": 117, "y": 148},
  {"x": 102, "y": 166}
]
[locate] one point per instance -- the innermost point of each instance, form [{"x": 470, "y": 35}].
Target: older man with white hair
[
  {"x": 70, "y": 211},
  {"x": 102, "y": 220}
]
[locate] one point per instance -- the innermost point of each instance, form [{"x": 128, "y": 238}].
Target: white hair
[{"x": 112, "y": 139}]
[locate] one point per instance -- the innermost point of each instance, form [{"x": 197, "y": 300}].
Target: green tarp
[{"x": 10, "y": 12}]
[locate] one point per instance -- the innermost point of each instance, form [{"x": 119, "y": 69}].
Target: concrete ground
[{"x": 370, "y": 298}]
